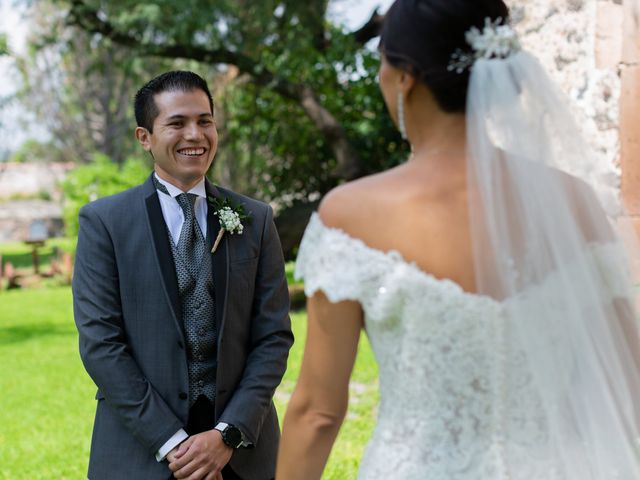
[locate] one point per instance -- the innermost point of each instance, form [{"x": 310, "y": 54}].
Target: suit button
[{"x": 183, "y": 396}]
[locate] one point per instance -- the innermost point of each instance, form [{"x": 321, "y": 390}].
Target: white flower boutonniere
[{"x": 230, "y": 216}]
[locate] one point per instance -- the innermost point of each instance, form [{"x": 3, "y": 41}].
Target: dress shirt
[
  {"x": 172, "y": 211},
  {"x": 174, "y": 218}
]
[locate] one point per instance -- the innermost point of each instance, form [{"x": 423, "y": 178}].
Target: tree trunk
[{"x": 291, "y": 223}]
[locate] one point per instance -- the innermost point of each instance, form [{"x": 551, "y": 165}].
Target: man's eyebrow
[{"x": 182, "y": 117}]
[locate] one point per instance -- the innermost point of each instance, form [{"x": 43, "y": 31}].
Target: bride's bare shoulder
[{"x": 352, "y": 203}]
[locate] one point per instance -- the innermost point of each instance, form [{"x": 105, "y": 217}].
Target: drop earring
[{"x": 401, "y": 125}]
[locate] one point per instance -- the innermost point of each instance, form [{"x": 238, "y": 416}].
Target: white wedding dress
[{"x": 448, "y": 408}]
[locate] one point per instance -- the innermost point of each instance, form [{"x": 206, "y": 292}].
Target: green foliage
[
  {"x": 4, "y": 46},
  {"x": 271, "y": 147},
  {"x": 363, "y": 400},
  {"x": 258, "y": 57},
  {"x": 290, "y": 268},
  {"x": 34, "y": 151},
  {"x": 239, "y": 25},
  {"x": 98, "y": 179},
  {"x": 46, "y": 389},
  {"x": 80, "y": 87}
]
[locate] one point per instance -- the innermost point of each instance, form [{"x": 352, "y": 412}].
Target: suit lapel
[
  {"x": 219, "y": 259},
  {"x": 162, "y": 247}
]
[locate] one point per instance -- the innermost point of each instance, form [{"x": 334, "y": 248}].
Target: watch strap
[{"x": 221, "y": 426}]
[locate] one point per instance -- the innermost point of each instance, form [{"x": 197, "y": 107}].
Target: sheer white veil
[{"x": 544, "y": 247}]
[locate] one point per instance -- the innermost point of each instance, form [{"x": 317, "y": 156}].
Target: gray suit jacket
[{"x": 127, "y": 311}]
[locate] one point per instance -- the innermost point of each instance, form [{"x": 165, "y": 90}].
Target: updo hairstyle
[{"x": 420, "y": 37}]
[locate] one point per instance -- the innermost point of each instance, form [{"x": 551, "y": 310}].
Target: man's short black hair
[{"x": 145, "y": 107}]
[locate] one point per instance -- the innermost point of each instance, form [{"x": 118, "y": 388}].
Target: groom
[{"x": 185, "y": 344}]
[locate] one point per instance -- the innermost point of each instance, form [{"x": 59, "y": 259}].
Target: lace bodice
[{"x": 448, "y": 408}]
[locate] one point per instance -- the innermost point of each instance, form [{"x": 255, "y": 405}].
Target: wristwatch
[{"x": 231, "y": 435}]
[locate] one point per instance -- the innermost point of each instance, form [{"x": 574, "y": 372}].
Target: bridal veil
[{"x": 546, "y": 249}]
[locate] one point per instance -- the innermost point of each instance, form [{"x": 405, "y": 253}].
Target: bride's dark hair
[{"x": 419, "y": 36}]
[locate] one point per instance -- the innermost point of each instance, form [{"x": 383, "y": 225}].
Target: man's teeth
[{"x": 192, "y": 151}]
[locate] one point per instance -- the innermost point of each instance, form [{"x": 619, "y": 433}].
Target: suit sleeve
[
  {"x": 271, "y": 339},
  {"x": 103, "y": 343}
]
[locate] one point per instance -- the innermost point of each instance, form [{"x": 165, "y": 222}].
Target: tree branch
[
  {"x": 349, "y": 165},
  {"x": 88, "y": 19}
]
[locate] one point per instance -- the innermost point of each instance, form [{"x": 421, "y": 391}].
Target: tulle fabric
[{"x": 536, "y": 213}]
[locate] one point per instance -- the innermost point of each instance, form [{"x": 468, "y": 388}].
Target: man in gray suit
[{"x": 185, "y": 341}]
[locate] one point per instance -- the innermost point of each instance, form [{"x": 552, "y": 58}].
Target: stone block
[
  {"x": 636, "y": 224},
  {"x": 630, "y": 138},
  {"x": 609, "y": 35},
  {"x": 635, "y": 269},
  {"x": 628, "y": 227},
  {"x": 631, "y": 27}
]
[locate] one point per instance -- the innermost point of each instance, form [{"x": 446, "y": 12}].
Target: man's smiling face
[{"x": 184, "y": 138}]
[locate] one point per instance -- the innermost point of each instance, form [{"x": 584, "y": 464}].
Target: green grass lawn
[
  {"x": 46, "y": 398},
  {"x": 46, "y": 404}
]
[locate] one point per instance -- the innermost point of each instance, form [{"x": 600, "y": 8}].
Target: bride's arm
[{"x": 319, "y": 401}]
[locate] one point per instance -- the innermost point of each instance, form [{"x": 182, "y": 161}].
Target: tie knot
[{"x": 187, "y": 202}]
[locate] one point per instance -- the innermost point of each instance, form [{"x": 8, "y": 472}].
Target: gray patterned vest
[{"x": 198, "y": 317}]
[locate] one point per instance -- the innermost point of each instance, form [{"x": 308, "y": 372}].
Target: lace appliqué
[{"x": 457, "y": 400}]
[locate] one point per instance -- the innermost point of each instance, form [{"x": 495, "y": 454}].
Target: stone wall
[
  {"x": 580, "y": 48},
  {"x": 630, "y": 110},
  {"x": 29, "y": 180},
  {"x": 591, "y": 48},
  {"x": 16, "y": 217}
]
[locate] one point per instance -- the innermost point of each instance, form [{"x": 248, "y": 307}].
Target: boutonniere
[{"x": 230, "y": 216}]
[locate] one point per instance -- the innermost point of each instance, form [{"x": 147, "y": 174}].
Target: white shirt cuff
[{"x": 178, "y": 437}]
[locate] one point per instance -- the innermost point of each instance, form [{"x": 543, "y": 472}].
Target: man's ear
[{"x": 144, "y": 137}]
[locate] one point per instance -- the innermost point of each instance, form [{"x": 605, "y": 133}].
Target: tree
[
  {"x": 283, "y": 46},
  {"x": 299, "y": 105},
  {"x": 32, "y": 151},
  {"x": 80, "y": 87},
  {"x": 4, "y": 101},
  {"x": 100, "y": 178},
  {"x": 4, "y": 46}
]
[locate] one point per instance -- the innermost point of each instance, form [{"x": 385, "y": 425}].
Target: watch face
[{"x": 232, "y": 436}]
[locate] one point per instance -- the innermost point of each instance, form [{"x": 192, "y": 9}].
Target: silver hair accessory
[
  {"x": 496, "y": 40},
  {"x": 401, "y": 125}
]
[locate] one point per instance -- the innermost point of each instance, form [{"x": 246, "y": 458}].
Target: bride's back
[{"x": 420, "y": 212}]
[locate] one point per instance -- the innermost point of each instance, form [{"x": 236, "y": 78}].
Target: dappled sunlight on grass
[
  {"x": 363, "y": 400},
  {"x": 47, "y": 399}
]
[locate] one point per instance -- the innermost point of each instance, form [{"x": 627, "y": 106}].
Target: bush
[{"x": 100, "y": 178}]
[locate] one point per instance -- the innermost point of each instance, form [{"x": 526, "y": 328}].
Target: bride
[{"x": 493, "y": 289}]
